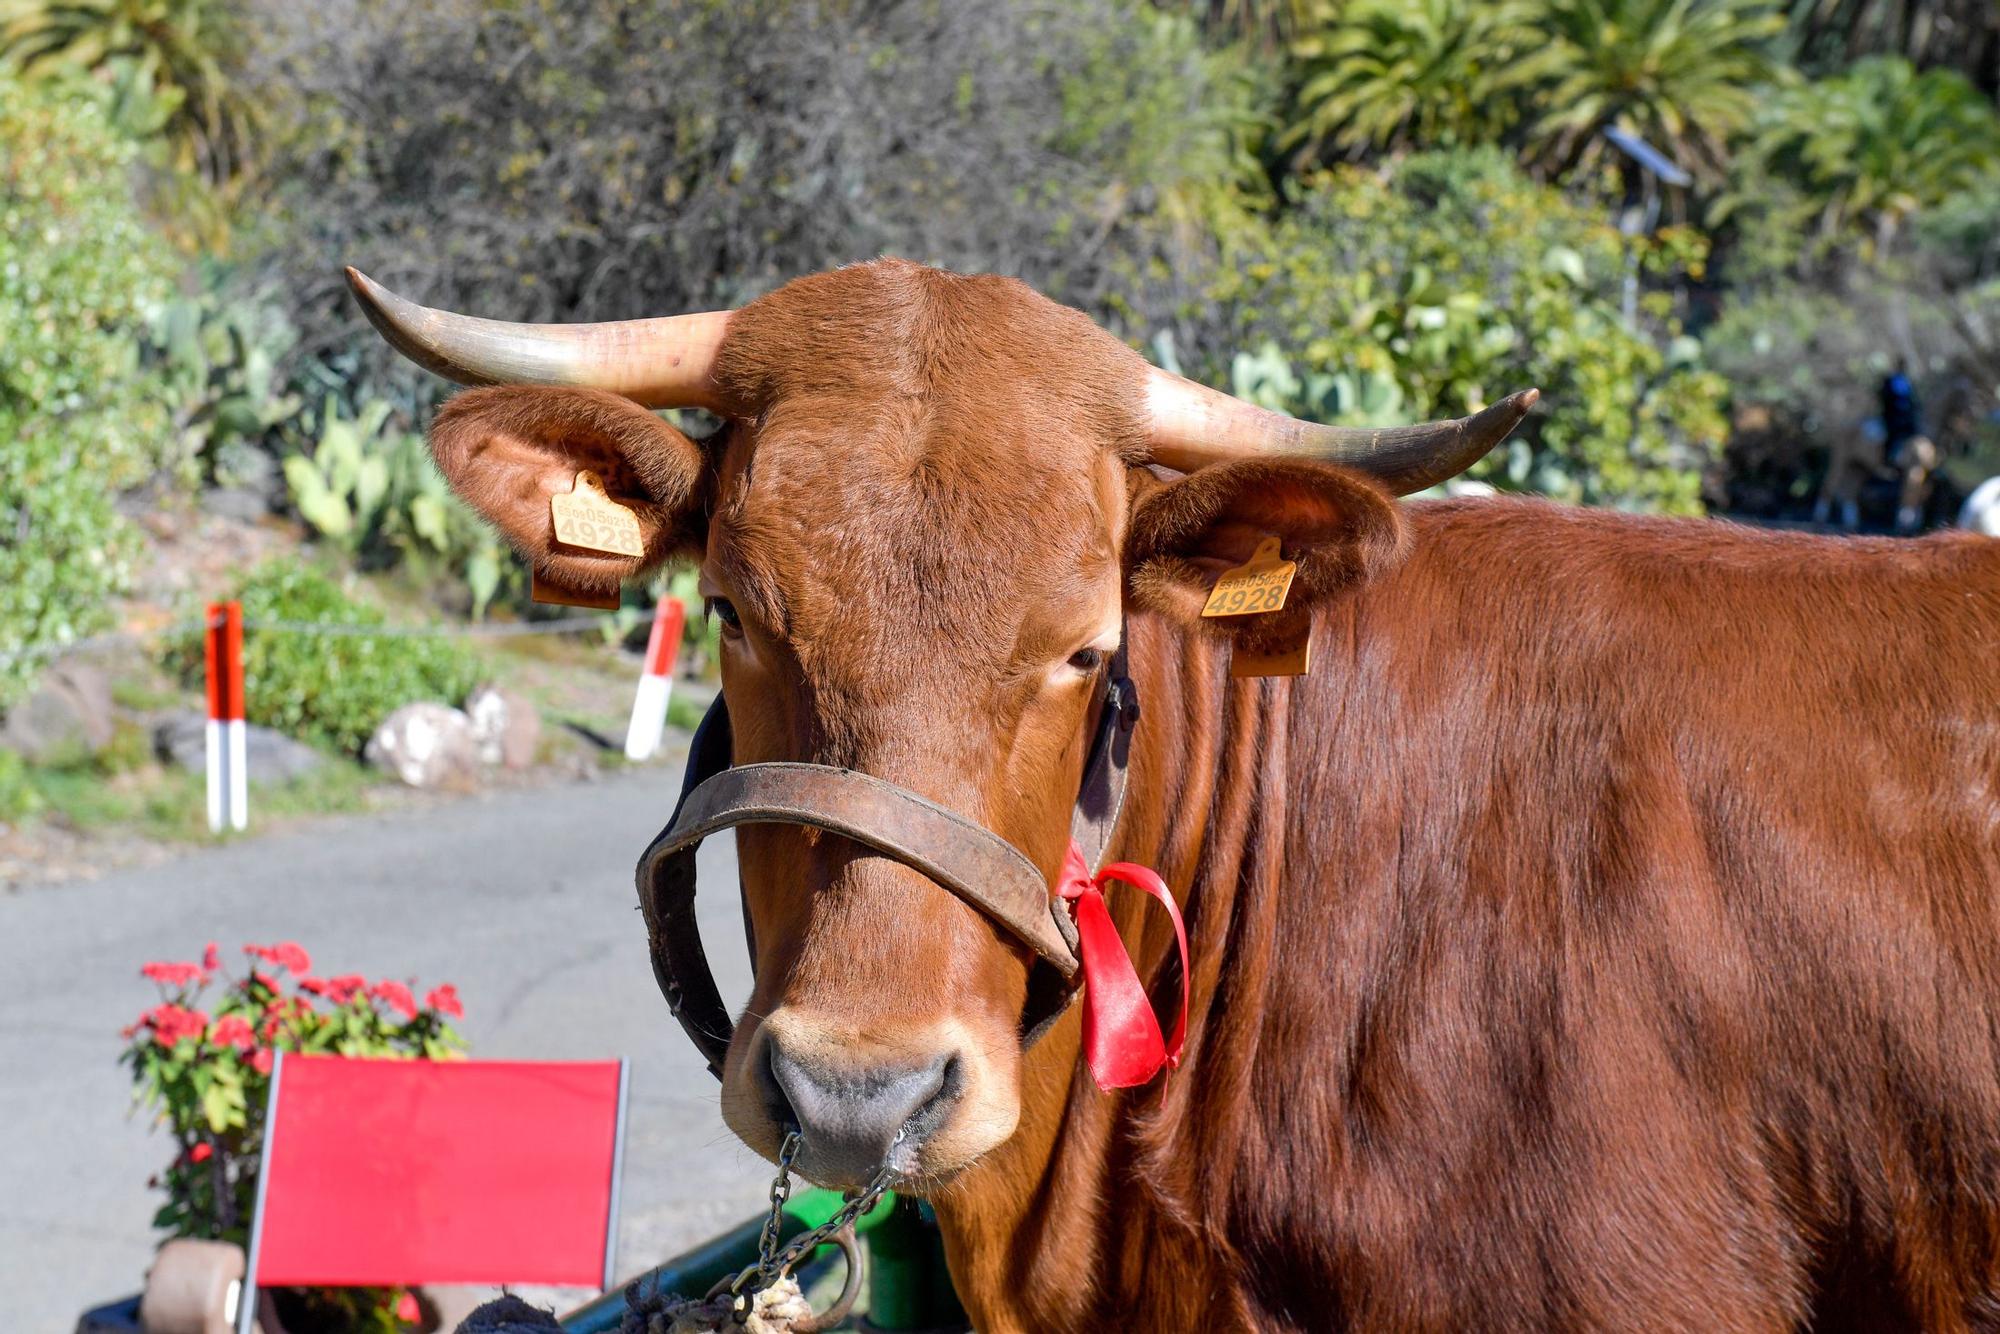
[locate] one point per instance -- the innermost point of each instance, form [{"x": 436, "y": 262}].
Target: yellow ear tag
[
  {"x": 1258, "y": 585},
  {"x": 588, "y": 518}
]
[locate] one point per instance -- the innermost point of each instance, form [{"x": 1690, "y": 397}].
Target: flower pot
[{"x": 192, "y": 1288}]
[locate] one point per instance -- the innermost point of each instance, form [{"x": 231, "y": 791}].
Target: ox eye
[
  {"x": 1087, "y": 660},
  {"x": 722, "y": 609}
]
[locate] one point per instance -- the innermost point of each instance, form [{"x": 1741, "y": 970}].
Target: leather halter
[{"x": 964, "y": 857}]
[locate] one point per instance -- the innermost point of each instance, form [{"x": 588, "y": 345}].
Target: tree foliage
[
  {"x": 602, "y": 159},
  {"x": 78, "y": 421},
  {"x": 1264, "y": 24},
  {"x": 1456, "y": 281},
  {"x": 1683, "y": 74},
  {"x": 1388, "y": 75},
  {"x": 1875, "y": 144},
  {"x": 1964, "y": 35},
  {"x": 172, "y": 55}
]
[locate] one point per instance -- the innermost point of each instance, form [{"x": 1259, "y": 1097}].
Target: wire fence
[{"x": 620, "y": 621}]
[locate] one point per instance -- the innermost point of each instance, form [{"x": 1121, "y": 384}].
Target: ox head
[{"x": 933, "y": 500}]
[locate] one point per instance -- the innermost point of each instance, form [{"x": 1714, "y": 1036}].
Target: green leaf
[
  {"x": 315, "y": 500},
  {"x": 1567, "y": 262},
  {"x": 431, "y": 520}
]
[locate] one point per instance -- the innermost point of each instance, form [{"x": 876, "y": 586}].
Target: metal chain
[
  {"x": 781, "y": 1190},
  {"x": 774, "y": 1261}
]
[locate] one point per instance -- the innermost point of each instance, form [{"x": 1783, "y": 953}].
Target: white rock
[
  {"x": 506, "y": 726},
  {"x": 427, "y": 745}
]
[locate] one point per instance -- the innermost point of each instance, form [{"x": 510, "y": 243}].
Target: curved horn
[
  {"x": 1193, "y": 426},
  {"x": 659, "y": 363}
]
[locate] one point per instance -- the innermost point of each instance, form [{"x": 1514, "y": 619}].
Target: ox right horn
[
  {"x": 657, "y": 363},
  {"x": 1193, "y": 426}
]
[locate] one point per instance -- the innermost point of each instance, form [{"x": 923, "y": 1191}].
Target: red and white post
[
  {"x": 649, "y": 706},
  {"x": 228, "y": 760}
]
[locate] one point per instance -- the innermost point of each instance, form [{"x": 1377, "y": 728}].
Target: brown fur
[
  {"x": 506, "y": 452},
  {"x": 1603, "y": 936}
]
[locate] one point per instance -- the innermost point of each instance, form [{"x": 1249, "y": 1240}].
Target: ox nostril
[
  {"x": 852, "y": 1117},
  {"x": 776, "y": 1101}
]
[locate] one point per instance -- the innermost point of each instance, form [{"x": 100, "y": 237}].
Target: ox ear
[
  {"x": 508, "y": 448},
  {"x": 1340, "y": 528}
]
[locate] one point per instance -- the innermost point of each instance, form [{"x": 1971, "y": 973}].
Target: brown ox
[{"x": 1602, "y": 936}]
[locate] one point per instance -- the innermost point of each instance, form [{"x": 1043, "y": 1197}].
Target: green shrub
[
  {"x": 78, "y": 269},
  {"x": 331, "y": 689},
  {"x": 18, "y": 797},
  {"x": 1455, "y": 280}
]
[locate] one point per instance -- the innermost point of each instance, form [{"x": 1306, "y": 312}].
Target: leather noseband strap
[{"x": 959, "y": 854}]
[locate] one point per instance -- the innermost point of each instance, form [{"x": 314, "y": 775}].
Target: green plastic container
[{"x": 906, "y": 1287}]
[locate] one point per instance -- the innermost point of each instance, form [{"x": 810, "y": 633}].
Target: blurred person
[
  {"x": 1907, "y": 449},
  {"x": 1892, "y": 443},
  {"x": 1855, "y": 456}
]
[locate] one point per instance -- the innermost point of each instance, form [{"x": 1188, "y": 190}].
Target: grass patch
[
  {"x": 684, "y": 713},
  {"x": 170, "y": 804}
]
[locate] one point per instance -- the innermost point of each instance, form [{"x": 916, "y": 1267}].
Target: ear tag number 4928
[
  {"x": 588, "y": 518},
  {"x": 1258, "y": 585}
]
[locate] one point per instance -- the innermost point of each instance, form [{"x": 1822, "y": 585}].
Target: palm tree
[
  {"x": 1394, "y": 74},
  {"x": 1880, "y": 142},
  {"x": 1683, "y": 74},
  {"x": 173, "y": 50}
]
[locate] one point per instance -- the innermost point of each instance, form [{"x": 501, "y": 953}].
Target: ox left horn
[
  {"x": 1194, "y": 426},
  {"x": 658, "y": 363}
]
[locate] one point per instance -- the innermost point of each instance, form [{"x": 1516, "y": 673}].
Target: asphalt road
[{"x": 524, "y": 899}]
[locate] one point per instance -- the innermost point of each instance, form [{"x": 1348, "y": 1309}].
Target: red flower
[
  {"x": 407, "y": 1309},
  {"x": 200, "y": 1153},
  {"x": 345, "y": 988},
  {"x": 286, "y": 954},
  {"x": 396, "y": 996},
  {"x": 316, "y": 986},
  {"x": 211, "y": 958},
  {"x": 261, "y": 1061},
  {"x": 264, "y": 980},
  {"x": 232, "y": 1030},
  {"x": 444, "y": 1000},
  {"x": 268, "y": 1029},
  {"x": 171, "y": 1023},
  {"x": 171, "y": 974}
]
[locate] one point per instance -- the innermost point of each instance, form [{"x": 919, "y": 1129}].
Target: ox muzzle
[{"x": 956, "y": 853}]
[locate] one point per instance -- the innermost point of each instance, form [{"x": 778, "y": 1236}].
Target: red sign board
[{"x": 400, "y": 1172}]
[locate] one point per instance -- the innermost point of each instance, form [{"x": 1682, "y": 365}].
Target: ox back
[{"x": 1604, "y": 935}]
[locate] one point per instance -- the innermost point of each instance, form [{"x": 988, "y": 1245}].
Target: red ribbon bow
[{"x": 1121, "y": 1036}]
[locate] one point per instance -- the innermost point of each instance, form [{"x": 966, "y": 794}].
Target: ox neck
[{"x": 1206, "y": 777}]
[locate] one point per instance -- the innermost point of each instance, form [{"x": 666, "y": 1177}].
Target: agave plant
[
  {"x": 175, "y": 50},
  {"x": 1683, "y": 74},
  {"x": 1394, "y": 74}
]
